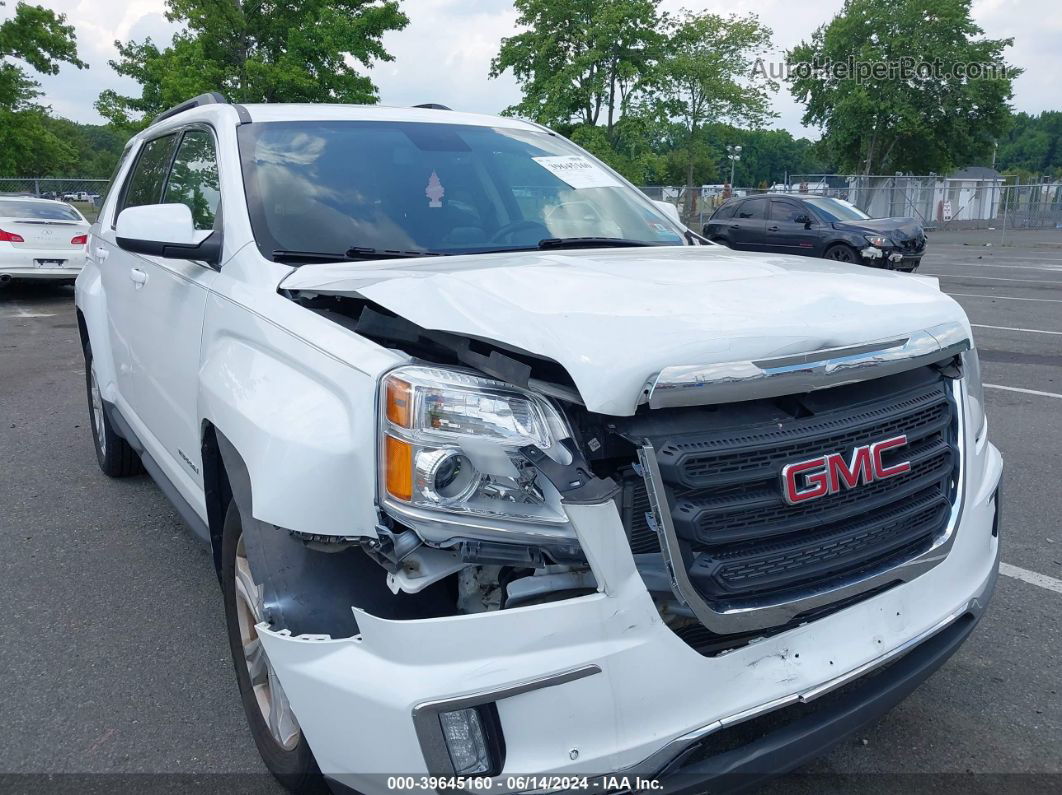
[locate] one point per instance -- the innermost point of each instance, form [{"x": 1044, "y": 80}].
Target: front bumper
[
  {"x": 891, "y": 258},
  {"x": 599, "y": 684}
]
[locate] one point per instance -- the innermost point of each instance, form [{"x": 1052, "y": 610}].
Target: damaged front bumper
[
  {"x": 598, "y": 684},
  {"x": 891, "y": 258}
]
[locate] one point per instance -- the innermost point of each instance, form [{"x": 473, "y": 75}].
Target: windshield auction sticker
[{"x": 577, "y": 171}]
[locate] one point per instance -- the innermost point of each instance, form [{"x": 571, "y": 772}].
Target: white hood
[{"x": 616, "y": 317}]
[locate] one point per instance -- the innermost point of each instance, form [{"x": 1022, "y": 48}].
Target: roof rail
[
  {"x": 211, "y": 98},
  {"x": 432, "y": 106}
]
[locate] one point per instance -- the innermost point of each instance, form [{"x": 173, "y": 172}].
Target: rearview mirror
[
  {"x": 670, "y": 210},
  {"x": 166, "y": 230}
]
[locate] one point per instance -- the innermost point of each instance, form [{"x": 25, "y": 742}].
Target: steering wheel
[{"x": 505, "y": 233}]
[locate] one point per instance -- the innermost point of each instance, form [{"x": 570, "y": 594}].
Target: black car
[{"x": 817, "y": 226}]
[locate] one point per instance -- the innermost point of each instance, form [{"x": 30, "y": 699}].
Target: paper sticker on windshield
[{"x": 577, "y": 171}]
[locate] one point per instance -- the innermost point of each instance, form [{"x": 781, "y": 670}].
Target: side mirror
[
  {"x": 670, "y": 210},
  {"x": 166, "y": 230},
  {"x": 805, "y": 220}
]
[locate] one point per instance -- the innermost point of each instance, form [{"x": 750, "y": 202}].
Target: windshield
[
  {"x": 41, "y": 211},
  {"x": 333, "y": 187},
  {"x": 836, "y": 209}
]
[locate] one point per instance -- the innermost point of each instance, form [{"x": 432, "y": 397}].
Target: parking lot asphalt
[{"x": 113, "y": 655}]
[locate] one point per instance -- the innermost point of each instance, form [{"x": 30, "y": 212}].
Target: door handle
[
  {"x": 772, "y": 228},
  {"x": 735, "y": 226},
  {"x": 101, "y": 253},
  {"x": 138, "y": 276}
]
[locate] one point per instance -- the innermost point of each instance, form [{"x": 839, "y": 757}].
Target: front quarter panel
[{"x": 295, "y": 394}]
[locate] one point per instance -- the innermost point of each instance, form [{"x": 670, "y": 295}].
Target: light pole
[{"x": 733, "y": 154}]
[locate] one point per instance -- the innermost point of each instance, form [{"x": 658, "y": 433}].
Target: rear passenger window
[
  {"x": 194, "y": 178},
  {"x": 149, "y": 173}
]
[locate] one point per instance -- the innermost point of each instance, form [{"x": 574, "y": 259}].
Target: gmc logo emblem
[{"x": 817, "y": 477}]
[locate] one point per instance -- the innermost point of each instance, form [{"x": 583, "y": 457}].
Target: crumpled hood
[
  {"x": 898, "y": 228},
  {"x": 615, "y": 317}
]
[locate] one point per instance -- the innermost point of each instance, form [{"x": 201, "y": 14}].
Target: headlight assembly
[
  {"x": 879, "y": 240},
  {"x": 448, "y": 451}
]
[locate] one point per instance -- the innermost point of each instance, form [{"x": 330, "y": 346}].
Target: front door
[
  {"x": 120, "y": 270},
  {"x": 169, "y": 313},
  {"x": 791, "y": 229}
]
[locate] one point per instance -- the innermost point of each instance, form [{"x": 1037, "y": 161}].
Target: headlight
[
  {"x": 879, "y": 241},
  {"x": 449, "y": 442},
  {"x": 975, "y": 391}
]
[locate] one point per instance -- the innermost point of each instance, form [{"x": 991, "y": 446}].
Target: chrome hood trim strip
[{"x": 732, "y": 382}]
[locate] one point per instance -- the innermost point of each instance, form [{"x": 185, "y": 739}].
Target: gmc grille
[{"x": 743, "y": 544}]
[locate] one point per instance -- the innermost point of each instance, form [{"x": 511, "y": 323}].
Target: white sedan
[{"x": 40, "y": 239}]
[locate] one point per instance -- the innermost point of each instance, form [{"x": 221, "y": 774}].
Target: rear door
[
  {"x": 792, "y": 228},
  {"x": 746, "y": 228}
]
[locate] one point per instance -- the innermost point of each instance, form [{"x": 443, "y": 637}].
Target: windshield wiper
[
  {"x": 592, "y": 242},
  {"x": 354, "y": 254}
]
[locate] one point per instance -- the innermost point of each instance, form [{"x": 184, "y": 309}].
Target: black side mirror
[{"x": 805, "y": 220}]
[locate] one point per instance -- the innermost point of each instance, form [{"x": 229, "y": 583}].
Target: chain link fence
[
  {"x": 954, "y": 203},
  {"x": 85, "y": 194}
]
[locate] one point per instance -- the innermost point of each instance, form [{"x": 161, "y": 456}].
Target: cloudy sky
[{"x": 444, "y": 53}]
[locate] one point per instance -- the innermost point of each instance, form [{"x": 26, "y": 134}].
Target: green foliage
[
  {"x": 255, "y": 52},
  {"x": 929, "y": 122},
  {"x": 1032, "y": 146},
  {"x": 708, "y": 77},
  {"x": 580, "y": 57},
  {"x": 42, "y": 39}
]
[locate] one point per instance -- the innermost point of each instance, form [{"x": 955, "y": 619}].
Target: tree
[
  {"x": 935, "y": 116},
  {"x": 296, "y": 51},
  {"x": 578, "y": 58},
  {"x": 707, "y": 76},
  {"x": 41, "y": 39},
  {"x": 1032, "y": 146}
]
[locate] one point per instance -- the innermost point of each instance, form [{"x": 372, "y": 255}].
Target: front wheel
[
  {"x": 273, "y": 725},
  {"x": 841, "y": 253}
]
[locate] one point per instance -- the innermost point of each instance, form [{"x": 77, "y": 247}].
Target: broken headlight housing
[
  {"x": 449, "y": 442},
  {"x": 881, "y": 241}
]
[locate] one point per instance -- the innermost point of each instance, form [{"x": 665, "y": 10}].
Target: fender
[
  {"x": 91, "y": 303},
  {"x": 301, "y": 413}
]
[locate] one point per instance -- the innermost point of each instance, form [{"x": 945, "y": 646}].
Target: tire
[
  {"x": 114, "y": 454},
  {"x": 841, "y": 252},
  {"x": 283, "y": 747}
]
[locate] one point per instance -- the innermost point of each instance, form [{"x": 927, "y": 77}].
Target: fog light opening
[{"x": 473, "y": 740}]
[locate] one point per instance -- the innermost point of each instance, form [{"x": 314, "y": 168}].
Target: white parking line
[
  {"x": 990, "y": 278},
  {"x": 1008, "y": 297},
  {"x": 1013, "y": 328},
  {"x": 1053, "y": 268},
  {"x": 1031, "y": 577},
  {"x": 1023, "y": 391},
  {"x": 20, "y": 312}
]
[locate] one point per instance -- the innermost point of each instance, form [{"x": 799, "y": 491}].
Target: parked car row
[{"x": 817, "y": 226}]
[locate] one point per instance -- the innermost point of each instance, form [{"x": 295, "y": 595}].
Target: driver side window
[{"x": 193, "y": 179}]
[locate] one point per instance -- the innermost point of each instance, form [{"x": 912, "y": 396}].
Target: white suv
[{"x": 507, "y": 475}]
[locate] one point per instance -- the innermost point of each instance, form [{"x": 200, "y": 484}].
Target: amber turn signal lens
[
  {"x": 398, "y": 396},
  {"x": 399, "y": 468}
]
